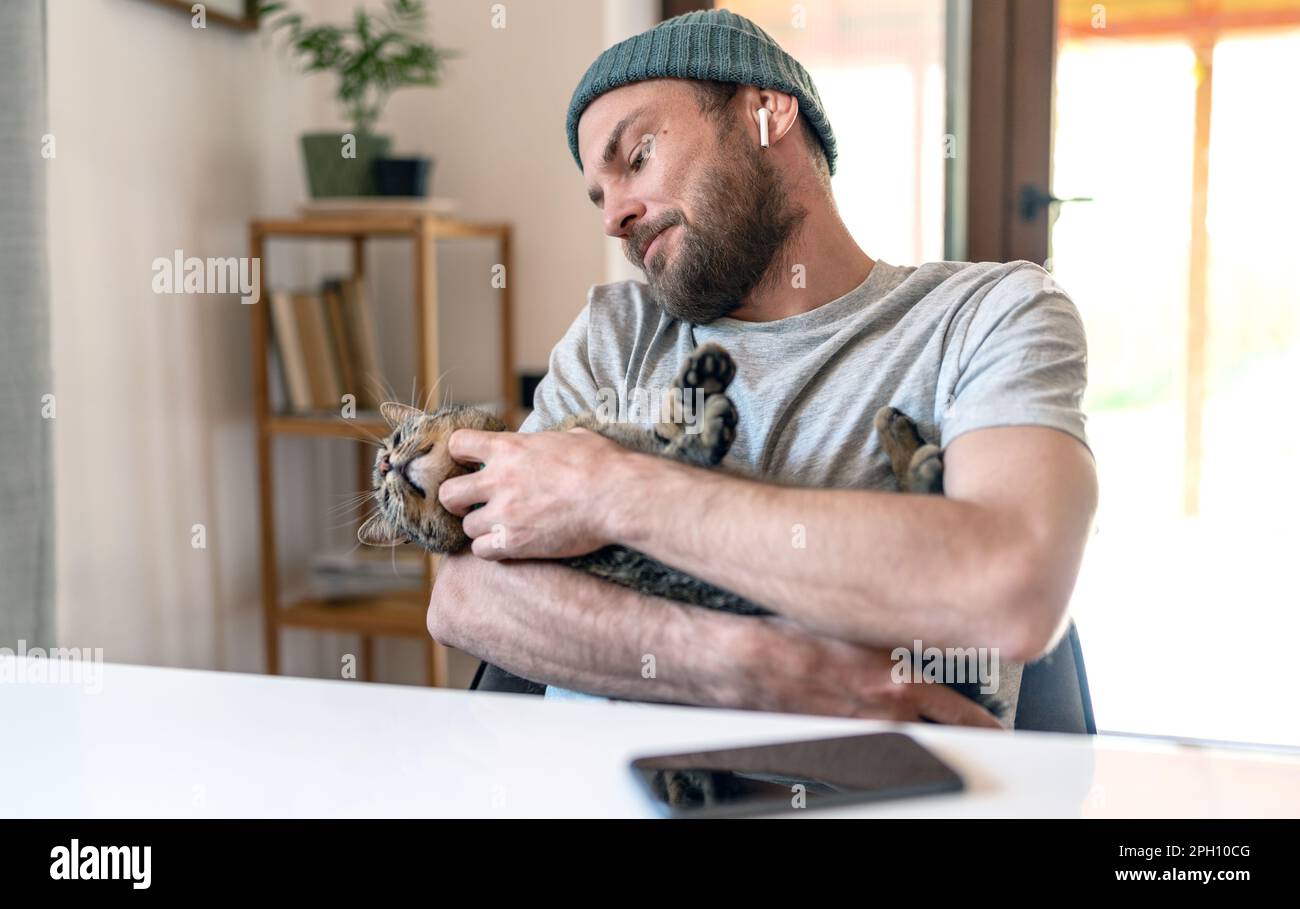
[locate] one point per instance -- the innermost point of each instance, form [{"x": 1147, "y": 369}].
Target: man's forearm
[
  {"x": 811, "y": 555},
  {"x": 874, "y": 567},
  {"x": 551, "y": 624}
]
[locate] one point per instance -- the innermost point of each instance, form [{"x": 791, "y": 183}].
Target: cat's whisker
[
  {"x": 346, "y": 522},
  {"x": 437, "y": 383},
  {"x": 353, "y": 504},
  {"x": 355, "y": 546},
  {"x": 344, "y": 507},
  {"x": 359, "y": 494},
  {"x": 369, "y": 436},
  {"x": 355, "y": 427},
  {"x": 361, "y": 519},
  {"x": 382, "y": 388}
]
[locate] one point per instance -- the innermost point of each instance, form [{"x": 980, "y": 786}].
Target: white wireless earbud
[{"x": 763, "y": 114}]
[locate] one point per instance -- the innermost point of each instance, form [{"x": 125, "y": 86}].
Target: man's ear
[
  {"x": 394, "y": 413},
  {"x": 783, "y": 112},
  {"x": 376, "y": 531}
]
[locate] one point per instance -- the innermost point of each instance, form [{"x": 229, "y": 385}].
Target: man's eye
[{"x": 640, "y": 158}]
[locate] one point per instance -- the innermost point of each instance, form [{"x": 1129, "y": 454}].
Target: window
[{"x": 879, "y": 68}]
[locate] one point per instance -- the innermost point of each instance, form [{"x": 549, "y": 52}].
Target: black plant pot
[{"x": 403, "y": 176}]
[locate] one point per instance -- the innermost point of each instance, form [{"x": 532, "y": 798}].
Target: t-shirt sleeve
[
  {"x": 1023, "y": 360},
  {"x": 569, "y": 386}
]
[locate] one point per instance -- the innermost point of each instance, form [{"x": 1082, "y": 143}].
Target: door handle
[{"x": 1033, "y": 200}]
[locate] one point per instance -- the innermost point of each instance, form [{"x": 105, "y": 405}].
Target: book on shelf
[
  {"x": 331, "y": 589},
  {"x": 339, "y": 333},
  {"x": 326, "y": 345},
  {"x": 288, "y": 346},
  {"x": 370, "y": 561},
  {"x": 322, "y": 370},
  {"x": 360, "y": 340},
  {"x": 364, "y": 572}
]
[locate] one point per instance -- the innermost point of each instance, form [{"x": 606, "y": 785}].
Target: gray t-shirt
[{"x": 956, "y": 346}]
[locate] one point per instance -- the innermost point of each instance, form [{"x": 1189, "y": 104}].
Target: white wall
[
  {"x": 496, "y": 131},
  {"x": 167, "y": 137},
  {"x": 170, "y": 137}
]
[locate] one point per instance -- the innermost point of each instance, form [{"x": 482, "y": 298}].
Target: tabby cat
[{"x": 413, "y": 462}]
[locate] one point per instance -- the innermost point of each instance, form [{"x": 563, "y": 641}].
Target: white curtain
[{"x": 26, "y": 488}]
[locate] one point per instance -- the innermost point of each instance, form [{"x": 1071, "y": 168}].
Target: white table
[{"x": 183, "y": 743}]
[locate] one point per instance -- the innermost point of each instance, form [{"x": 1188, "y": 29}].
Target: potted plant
[{"x": 372, "y": 57}]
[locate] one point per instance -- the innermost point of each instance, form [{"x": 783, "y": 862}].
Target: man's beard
[{"x": 744, "y": 219}]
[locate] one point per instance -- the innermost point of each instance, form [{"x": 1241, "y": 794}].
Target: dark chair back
[{"x": 1054, "y": 695}]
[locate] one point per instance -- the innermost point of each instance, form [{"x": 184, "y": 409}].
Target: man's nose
[{"x": 621, "y": 215}]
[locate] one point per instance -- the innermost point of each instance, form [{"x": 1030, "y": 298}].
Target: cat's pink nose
[{"x": 384, "y": 466}]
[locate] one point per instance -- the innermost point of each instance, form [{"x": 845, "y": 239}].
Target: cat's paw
[
  {"x": 925, "y": 472},
  {"x": 897, "y": 430},
  {"x": 718, "y": 428},
  {"x": 709, "y": 368}
]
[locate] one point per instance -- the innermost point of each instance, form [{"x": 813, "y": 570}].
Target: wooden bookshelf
[
  {"x": 398, "y": 613},
  {"x": 326, "y": 425}
]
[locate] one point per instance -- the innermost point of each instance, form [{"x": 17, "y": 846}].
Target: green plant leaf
[{"x": 372, "y": 58}]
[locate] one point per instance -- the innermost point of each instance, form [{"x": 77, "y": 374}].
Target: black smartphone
[{"x": 788, "y": 776}]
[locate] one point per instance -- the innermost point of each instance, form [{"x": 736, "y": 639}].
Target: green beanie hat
[{"x": 713, "y": 44}]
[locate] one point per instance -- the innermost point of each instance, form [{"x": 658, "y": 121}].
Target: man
[{"x": 742, "y": 245}]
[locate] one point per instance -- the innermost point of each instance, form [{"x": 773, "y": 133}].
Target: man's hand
[
  {"x": 543, "y": 494},
  {"x": 801, "y": 672}
]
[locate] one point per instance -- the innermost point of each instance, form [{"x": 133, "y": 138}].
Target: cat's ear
[
  {"x": 395, "y": 414},
  {"x": 376, "y": 531}
]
